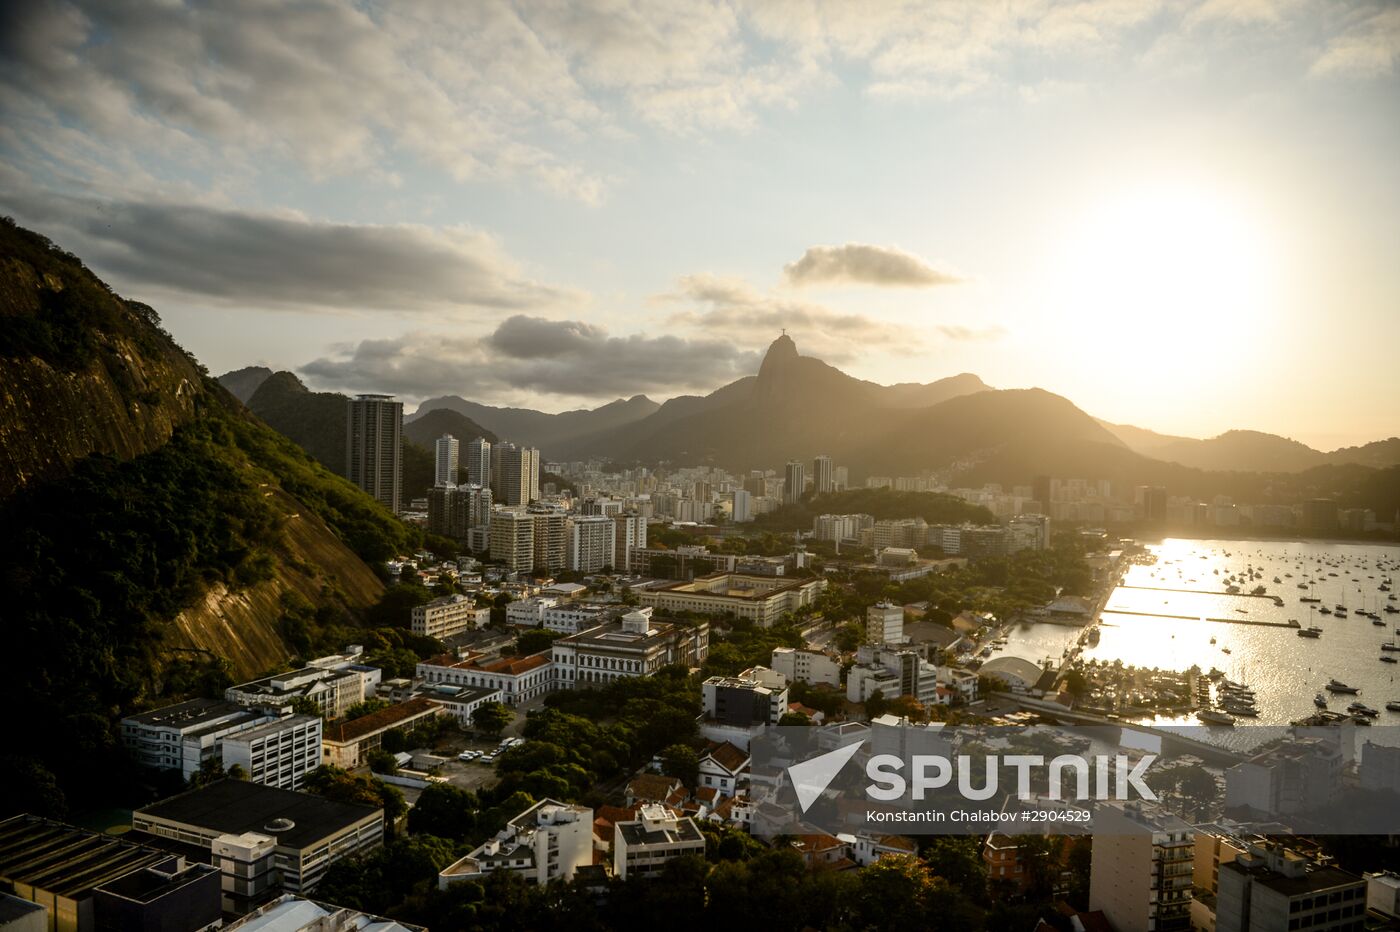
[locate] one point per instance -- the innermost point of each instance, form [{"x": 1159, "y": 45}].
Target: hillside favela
[{"x": 787, "y": 466}]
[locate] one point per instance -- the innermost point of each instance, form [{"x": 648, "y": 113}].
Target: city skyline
[{"x": 1155, "y": 210}]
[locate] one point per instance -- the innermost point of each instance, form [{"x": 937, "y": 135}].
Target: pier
[{"x": 1291, "y": 623}]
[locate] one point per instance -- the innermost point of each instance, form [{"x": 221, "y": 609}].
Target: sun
[{"x": 1177, "y": 267}]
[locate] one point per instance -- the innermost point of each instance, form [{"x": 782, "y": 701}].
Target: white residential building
[
  {"x": 453, "y": 614},
  {"x": 800, "y": 665},
  {"x": 894, "y": 673},
  {"x": 592, "y": 544},
  {"x": 549, "y": 841},
  {"x": 642, "y": 846},
  {"x": 479, "y": 462},
  {"x": 445, "y": 461}
]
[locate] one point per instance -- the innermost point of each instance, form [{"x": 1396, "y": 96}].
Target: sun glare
[{"x": 1178, "y": 267}]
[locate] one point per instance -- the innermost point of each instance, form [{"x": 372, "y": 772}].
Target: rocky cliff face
[{"x": 116, "y": 396}]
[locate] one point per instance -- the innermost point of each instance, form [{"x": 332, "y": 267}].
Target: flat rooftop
[
  {"x": 189, "y": 714},
  {"x": 232, "y": 807},
  {"x": 65, "y": 860}
]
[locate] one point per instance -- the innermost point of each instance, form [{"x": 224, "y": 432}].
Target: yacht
[
  {"x": 1393, "y": 706},
  {"x": 1361, "y": 720},
  {"x": 1361, "y": 708},
  {"x": 1311, "y": 631},
  {"x": 1337, "y": 686},
  {"x": 1212, "y": 717},
  {"x": 1320, "y": 701},
  {"x": 1387, "y": 658}
]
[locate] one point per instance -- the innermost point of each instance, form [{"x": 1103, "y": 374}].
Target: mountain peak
[{"x": 781, "y": 352}]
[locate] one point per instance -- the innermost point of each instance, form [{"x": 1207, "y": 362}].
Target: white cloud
[
  {"x": 1369, "y": 48},
  {"x": 864, "y": 264}
]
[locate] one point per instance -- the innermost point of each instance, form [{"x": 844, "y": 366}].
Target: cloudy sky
[{"x": 1182, "y": 214}]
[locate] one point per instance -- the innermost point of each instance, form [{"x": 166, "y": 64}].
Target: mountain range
[{"x": 797, "y": 406}]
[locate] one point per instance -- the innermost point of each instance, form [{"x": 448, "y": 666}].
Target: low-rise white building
[
  {"x": 800, "y": 665},
  {"x": 573, "y": 617},
  {"x": 529, "y": 613},
  {"x": 642, "y": 846},
  {"x": 271, "y": 747},
  {"x": 334, "y": 691},
  {"x": 518, "y": 679},
  {"x": 635, "y": 645},
  {"x": 760, "y": 599},
  {"x": 549, "y": 841}
]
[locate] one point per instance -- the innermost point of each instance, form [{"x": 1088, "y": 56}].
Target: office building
[
  {"x": 513, "y": 539},
  {"x": 445, "y": 461},
  {"x": 884, "y": 624},
  {"x": 449, "y": 615},
  {"x": 374, "y": 447},
  {"x": 82, "y": 881},
  {"x": 642, "y": 846},
  {"x": 1264, "y": 889},
  {"x": 794, "y": 482},
  {"x": 631, "y": 527},
  {"x": 823, "y": 475},
  {"x": 592, "y": 544},
  {"x": 892, "y": 672},
  {"x": 281, "y": 753},
  {"x": 310, "y": 833},
  {"x": 547, "y": 842},
  {"x": 760, "y": 599},
  {"x": 1142, "y": 862},
  {"x": 478, "y": 464}
]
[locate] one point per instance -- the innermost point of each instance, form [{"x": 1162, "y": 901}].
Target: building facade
[{"x": 374, "y": 447}]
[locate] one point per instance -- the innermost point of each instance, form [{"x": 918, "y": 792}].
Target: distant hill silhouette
[
  {"x": 1252, "y": 451},
  {"x": 550, "y": 432},
  {"x": 315, "y": 421},
  {"x": 243, "y": 382},
  {"x": 426, "y": 430}
]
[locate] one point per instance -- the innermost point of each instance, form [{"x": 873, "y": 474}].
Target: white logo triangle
[{"x": 811, "y": 777}]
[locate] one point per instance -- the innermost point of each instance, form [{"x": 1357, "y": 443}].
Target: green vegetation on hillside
[
  {"x": 70, "y": 321},
  {"x": 933, "y": 507},
  {"x": 93, "y": 565}
]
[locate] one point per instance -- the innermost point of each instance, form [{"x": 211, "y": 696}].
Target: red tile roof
[{"x": 376, "y": 721}]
